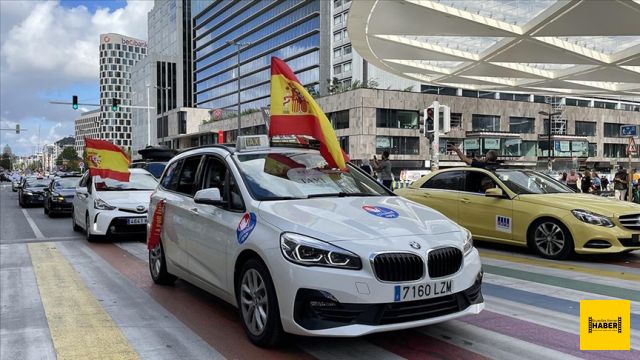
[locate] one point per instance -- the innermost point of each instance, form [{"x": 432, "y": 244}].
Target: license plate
[
  {"x": 136, "y": 221},
  {"x": 422, "y": 291}
]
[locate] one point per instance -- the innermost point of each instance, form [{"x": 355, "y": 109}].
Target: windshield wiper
[
  {"x": 341, "y": 194},
  {"x": 274, "y": 198}
]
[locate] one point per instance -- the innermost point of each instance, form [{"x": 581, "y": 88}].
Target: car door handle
[
  {"x": 465, "y": 201},
  {"x": 425, "y": 194},
  {"x": 195, "y": 210}
]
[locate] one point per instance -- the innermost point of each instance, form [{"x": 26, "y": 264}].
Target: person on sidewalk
[{"x": 383, "y": 168}]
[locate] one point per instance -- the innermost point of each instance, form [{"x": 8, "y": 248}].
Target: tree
[
  {"x": 69, "y": 158},
  {"x": 5, "y": 161}
]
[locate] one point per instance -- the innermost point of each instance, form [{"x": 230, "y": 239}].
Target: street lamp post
[
  {"x": 549, "y": 115},
  {"x": 239, "y": 46}
]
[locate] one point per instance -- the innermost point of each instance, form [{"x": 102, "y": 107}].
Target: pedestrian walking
[
  {"x": 585, "y": 186},
  {"x": 572, "y": 180},
  {"x": 604, "y": 183},
  {"x": 383, "y": 168},
  {"x": 620, "y": 184},
  {"x": 595, "y": 183},
  {"x": 564, "y": 178},
  {"x": 366, "y": 167}
]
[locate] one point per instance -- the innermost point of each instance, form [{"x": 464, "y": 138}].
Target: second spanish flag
[{"x": 295, "y": 112}]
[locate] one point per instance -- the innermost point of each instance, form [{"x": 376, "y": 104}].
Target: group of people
[{"x": 590, "y": 182}]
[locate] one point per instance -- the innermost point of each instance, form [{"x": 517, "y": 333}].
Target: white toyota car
[
  {"x": 110, "y": 207},
  {"x": 304, "y": 249}
]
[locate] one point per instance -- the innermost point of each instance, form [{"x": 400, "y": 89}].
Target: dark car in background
[
  {"x": 59, "y": 195},
  {"x": 31, "y": 191},
  {"x": 154, "y": 159}
]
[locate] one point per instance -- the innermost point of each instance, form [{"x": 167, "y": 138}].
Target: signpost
[
  {"x": 628, "y": 130},
  {"x": 632, "y": 150}
]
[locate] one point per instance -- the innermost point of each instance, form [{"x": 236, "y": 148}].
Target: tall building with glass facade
[
  {"x": 296, "y": 31},
  {"x": 118, "y": 54}
]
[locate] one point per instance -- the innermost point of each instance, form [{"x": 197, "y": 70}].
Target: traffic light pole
[{"x": 435, "y": 144}]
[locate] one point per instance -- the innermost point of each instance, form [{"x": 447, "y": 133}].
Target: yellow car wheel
[{"x": 550, "y": 239}]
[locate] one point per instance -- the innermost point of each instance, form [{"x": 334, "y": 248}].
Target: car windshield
[
  {"x": 301, "y": 175},
  {"x": 531, "y": 182},
  {"x": 35, "y": 183},
  {"x": 66, "y": 183},
  {"x": 136, "y": 182}
]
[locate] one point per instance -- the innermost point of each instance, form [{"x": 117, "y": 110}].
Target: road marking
[
  {"x": 80, "y": 327},
  {"x": 33, "y": 225},
  {"x": 554, "y": 265},
  {"x": 35, "y": 240}
]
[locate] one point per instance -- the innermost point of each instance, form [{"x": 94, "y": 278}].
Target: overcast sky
[{"x": 49, "y": 51}]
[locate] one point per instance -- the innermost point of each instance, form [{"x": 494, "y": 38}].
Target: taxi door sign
[
  {"x": 156, "y": 226},
  {"x": 605, "y": 325}
]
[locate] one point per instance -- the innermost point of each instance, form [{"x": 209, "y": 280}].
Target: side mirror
[
  {"x": 81, "y": 190},
  {"x": 209, "y": 196},
  {"x": 19, "y": 186},
  {"x": 495, "y": 192}
]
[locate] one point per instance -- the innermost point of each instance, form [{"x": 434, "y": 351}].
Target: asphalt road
[{"x": 62, "y": 297}]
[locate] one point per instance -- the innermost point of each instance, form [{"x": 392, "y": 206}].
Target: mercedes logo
[
  {"x": 415, "y": 245},
  {"x": 140, "y": 208}
]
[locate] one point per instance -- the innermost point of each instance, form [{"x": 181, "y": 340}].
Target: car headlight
[
  {"x": 591, "y": 218},
  {"x": 27, "y": 193},
  {"x": 102, "y": 205},
  {"x": 468, "y": 242},
  {"x": 307, "y": 251}
]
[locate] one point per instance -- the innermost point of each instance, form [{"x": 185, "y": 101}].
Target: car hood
[
  {"x": 127, "y": 199},
  {"x": 35, "y": 189},
  {"x": 597, "y": 204},
  {"x": 65, "y": 192},
  {"x": 355, "y": 218}
]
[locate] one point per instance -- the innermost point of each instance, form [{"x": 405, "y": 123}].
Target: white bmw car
[
  {"x": 110, "y": 207},
  {"x": 304, "y": 249}
]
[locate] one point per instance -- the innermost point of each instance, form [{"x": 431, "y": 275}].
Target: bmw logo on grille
[
  {"x": 415, "y": 245},
  {"x": 140, "y": 208}
]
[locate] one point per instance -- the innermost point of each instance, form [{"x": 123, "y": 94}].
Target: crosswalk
[{"x": 75, "y": 295}]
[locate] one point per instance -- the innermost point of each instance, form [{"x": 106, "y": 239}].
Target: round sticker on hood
[
  {"x": 381, "y": 211},
  {"x": 245, "y": 227}
]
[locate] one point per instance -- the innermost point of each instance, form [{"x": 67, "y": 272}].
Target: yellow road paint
[
  {"x": 559, "y": 266},
  {"x": 79, "y": 326}
]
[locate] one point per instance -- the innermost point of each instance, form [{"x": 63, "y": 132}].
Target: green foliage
[
  {"x": 5, "y": 161},
  {"x": 336, "y": 86}
]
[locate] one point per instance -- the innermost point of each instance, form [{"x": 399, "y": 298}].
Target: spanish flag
[
  {"x": 106, "y": 160},
  {"x": 294, "y": 112}
]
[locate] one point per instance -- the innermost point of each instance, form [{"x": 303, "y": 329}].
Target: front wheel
[
  {"x": 90, "y": 238},
  {"x": 258, "y": 305},
  {"x": 551, "y": 239},
  {"x": 46, "y": 210},
  {"x": 158, "y": 266},
  {"x": 76, "y": 228}
]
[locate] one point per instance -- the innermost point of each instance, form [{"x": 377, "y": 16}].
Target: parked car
[
  {"x": 154, "y": 159},
  {"x": 304, "y": 249},
  {"x": 31, "y": 191},
  {"x": 60, "y": 194},
  {"x": 110, "y": 207}
]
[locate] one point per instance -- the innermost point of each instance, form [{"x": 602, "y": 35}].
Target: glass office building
[{"x": 289, "y": 29}]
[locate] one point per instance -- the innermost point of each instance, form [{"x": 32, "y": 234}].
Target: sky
[{"x": 49, "y": 52}]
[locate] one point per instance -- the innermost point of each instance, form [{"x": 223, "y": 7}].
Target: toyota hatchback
[{"x": 305, "y": 249}]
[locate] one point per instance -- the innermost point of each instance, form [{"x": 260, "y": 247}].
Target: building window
[
  {"x": 611, "y": 130},
  {"x": 577, "y": 102},
  {"x": 585, "y": 128},
  {"x": 522, "y": 125},
  {"x": 339, "y": 119},
  {"x": 397, "y": 119},
  {"x": 456, "y": 121},
  {"x": 344, "y": 143},
  {"x": 614, "y": 150},
  {"x": 604, "y": 105},
  {"x": 337, "y": 69},
  {"x": 345, "y": 17},
  {"x": 593, "y": 150},
  {"x": 346, "y": 66},
  {"x": 398, "y": 145},
  {"x": 337, "y": 36},
  {"x": 347, "y": 50},
  {"x": 485, "y": 122},
  {"x": 337, "y": 20},
  {"x": 337, "y": 53}
]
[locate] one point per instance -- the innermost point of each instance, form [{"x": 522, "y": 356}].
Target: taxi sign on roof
[{"x": 253, "y": 142}]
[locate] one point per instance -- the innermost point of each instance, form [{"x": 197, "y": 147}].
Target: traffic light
[
  {"x": 220, "y": 136},
  {"x": 114, "y": 104},
  {"x": 17, "y": 128},
  {"x": 426, "y": 121},
  {"x": 74, "y": 102}
]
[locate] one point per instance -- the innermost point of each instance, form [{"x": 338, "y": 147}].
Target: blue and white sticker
[
  {"x": 380, "y": 211},
  {"x": 503, "y": 223},
  {"x": 396, "y": 293},
  {"x": 245, "y": 227}
]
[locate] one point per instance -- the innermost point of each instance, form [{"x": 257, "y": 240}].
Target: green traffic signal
[
  {"x": 74, "y": 102},
  {"x": 114, "y": 104}
]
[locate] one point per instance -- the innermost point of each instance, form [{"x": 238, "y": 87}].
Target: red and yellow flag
[
  {"x": 106, "y": 160},
  {"x": 294, "y": 112}
]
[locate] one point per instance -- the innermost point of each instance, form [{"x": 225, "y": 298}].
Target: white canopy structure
[{"x": 565, "y": 47}]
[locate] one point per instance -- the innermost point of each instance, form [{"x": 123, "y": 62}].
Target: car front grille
[
  {"x": 398, "y": 267},
  {"x": 631, "y": 222},
  {"x": 133, "y": 211},
  {"x": 444, "y": 262}
]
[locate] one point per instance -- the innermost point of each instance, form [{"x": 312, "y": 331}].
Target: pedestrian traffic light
[
  {"x": 114, "y": 104},
  {"x": 426, "y": 121},
  {"x": 74, "y": 102},
  {"x": 17, "y": 128}
]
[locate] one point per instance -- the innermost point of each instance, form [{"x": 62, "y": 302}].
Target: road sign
[
  {"x": 631, "y": 149},
  {"x": 217, "y": 114},
  {"x": 629, "y": 130},
  {"x": 81, "y": 164}
]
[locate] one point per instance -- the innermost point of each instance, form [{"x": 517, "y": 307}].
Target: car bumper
[
  {"x": 33, "y": 200},
  {"x": 592, "y": 239},
  {"x": 362, "y": 304},
  {"x": 61, "y": 207},
  {"x": 115, "y": 223}
]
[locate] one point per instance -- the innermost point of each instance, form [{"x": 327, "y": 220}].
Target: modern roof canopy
[{"x": 565, "y": 47}]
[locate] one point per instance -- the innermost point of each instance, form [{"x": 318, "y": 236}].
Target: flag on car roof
[
  {"x": 106, "y": 160},
  {"x": 295, "y": 112}
]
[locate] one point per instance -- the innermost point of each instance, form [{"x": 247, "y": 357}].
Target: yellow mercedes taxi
[{"x": 528, "y": 208}]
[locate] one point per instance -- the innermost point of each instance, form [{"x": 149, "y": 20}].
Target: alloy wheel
[
  {"x": 254, "y": 301},
  {"x": 549, "y": 238},
  {"x": 155, "y": 259}
]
